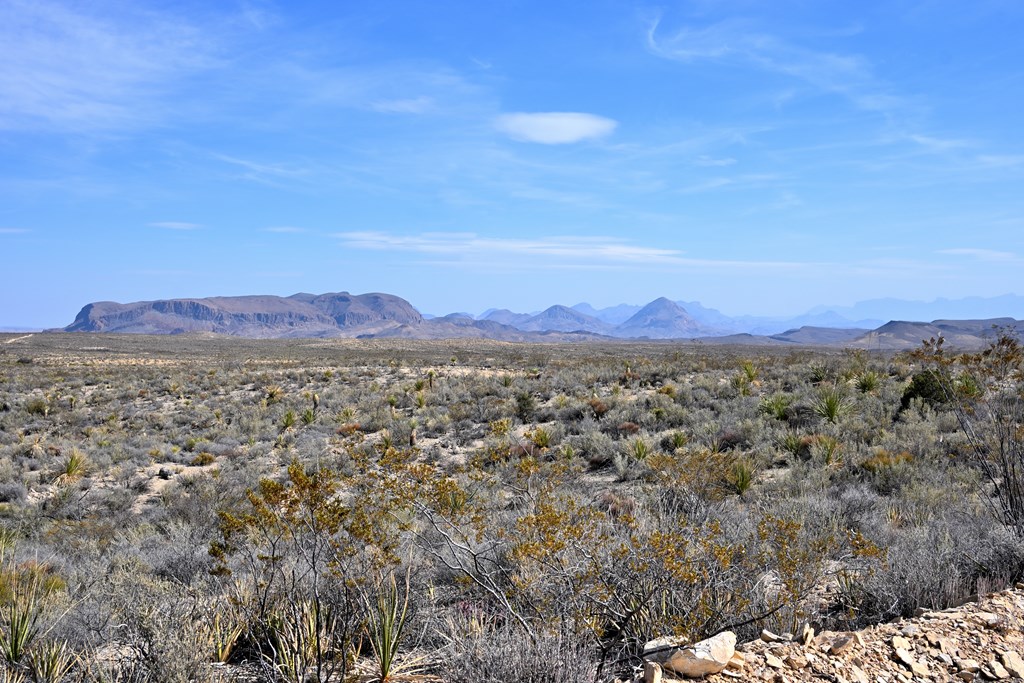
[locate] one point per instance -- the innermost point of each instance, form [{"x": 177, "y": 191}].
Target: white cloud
[
  {"x": 175, "y": 225},
  {"x": 554, "y": 128}
]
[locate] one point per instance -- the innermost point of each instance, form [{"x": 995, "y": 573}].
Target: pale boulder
[{"x": 707, "y": 657}]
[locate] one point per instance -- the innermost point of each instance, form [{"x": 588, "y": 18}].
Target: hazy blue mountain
[
  {"x": 972, "y": 307},
  {"x": 613, "y": 315},
  {"x": 662, "y": 319},
  {"x": 563, "y": 319},
  {"x": 505, "y": 316}
]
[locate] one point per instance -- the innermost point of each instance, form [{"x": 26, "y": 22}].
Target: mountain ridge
[{"x": 377, "y": 314}]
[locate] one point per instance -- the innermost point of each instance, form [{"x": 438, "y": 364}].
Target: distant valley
[{"x": 378, "y": 315}]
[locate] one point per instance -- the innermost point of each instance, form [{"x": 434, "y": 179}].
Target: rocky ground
[{"x": 980, "y": 640}]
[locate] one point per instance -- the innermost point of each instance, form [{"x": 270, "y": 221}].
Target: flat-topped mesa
[{"x": 301, "y": 315}]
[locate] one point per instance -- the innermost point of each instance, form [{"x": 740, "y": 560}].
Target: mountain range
[{"x": 386, "y": 315}]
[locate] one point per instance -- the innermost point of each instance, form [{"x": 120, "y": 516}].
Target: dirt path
[{"x": 11, "y": 341}]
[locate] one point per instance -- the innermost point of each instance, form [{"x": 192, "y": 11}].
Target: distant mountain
[
  {"x": 613, "y": 315},
  {"x": 710, "y": 316},
  {"x": 300, "y": 315},
  {"x": 968, "y": 308},
  {"x": 563, "y": 319},
  {"x": 385, "y": 315},
  {"x": 662, "y": 319},
  {"x": 820, "y": 335},
  {"x": 505, "y": 317},
  {"x": 960, "y": 334}
]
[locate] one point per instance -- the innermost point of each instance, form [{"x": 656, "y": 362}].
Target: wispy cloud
[
  {"x": 175, "y": 225},
  {"x": 71, "y": 68},
  {"x": 737, "y": 42},
  {"x": 1000, "y": 160},
  {"x": 934, "y": 144},
  {"x": 705, "y": 160},
  {"x": 470, "y": 249},
  {"x": 285, "y": 230},
  {"x": 987, "y": 255},
  {"x": 554, "y": 128},
  {"x": 748, "y": 180},
  {"x": 416, "y": 105}
]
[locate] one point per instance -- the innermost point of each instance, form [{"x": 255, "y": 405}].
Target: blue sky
[{"x": 758, "y": 157}]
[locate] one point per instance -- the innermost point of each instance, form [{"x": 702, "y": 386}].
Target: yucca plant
[
  {"x": 867, "y": 382},
  {"x": 678, "y": 440},
  {"x": 51, "y": 662},
  {"x": 288, "y": 420},
  {"x": 274, "y": 393},
  {"x": 385, "y": 627},
  {"x": 20, "y": 615},
  {"x": 540, "y": 437},
  {"x": 742, "y": 476},
  {"x": 308, "y": 416},
  {"x": 639, "y": 449},
  {"x": 224, "y": 637},
  {"x": 775, "y": 405},
  {"x": 302, "y": 643},
  {"x": 831, "y": 404},
  {"x": 72, "y": 468},
  {"x": 11, "y": 676}
]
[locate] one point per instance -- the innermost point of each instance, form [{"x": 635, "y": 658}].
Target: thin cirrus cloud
[
  {"x": 988, "y": 255},
  {"x": 175, "y": 225},
  {"x": 737, "y": 43},
  {"x": 285, "y": 230},
  {"x": 554, "y": 128},
  {"x": 593, "y": 251},
  {"x": 71, "y": 68}
]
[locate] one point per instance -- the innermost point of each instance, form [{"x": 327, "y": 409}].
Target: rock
[
  {"x": 700, "y": 659},
  {"x": 900, "y": 643},
  {"x": 841, "y": 644},
  {"x": 989, "y": 620},
  {"x": 858, "y": 674},
  {"x": 664, "y": 643},
  {"x": 652, "y": 672},
  {"x": 968, "y": 665},
  {"x": 906, "y": 659},
  {"x": 773, "y": 661},
  {"x": 806, "y": 634},
  {"x": 1013, "y": 663},
  {"x": 796, "y": 662},
  {"x": 995, "y": 671},
  {"x": 738, "y": 662},
  {"x": 769, "y": 637},
  {"x": 966, "y": 676}
]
